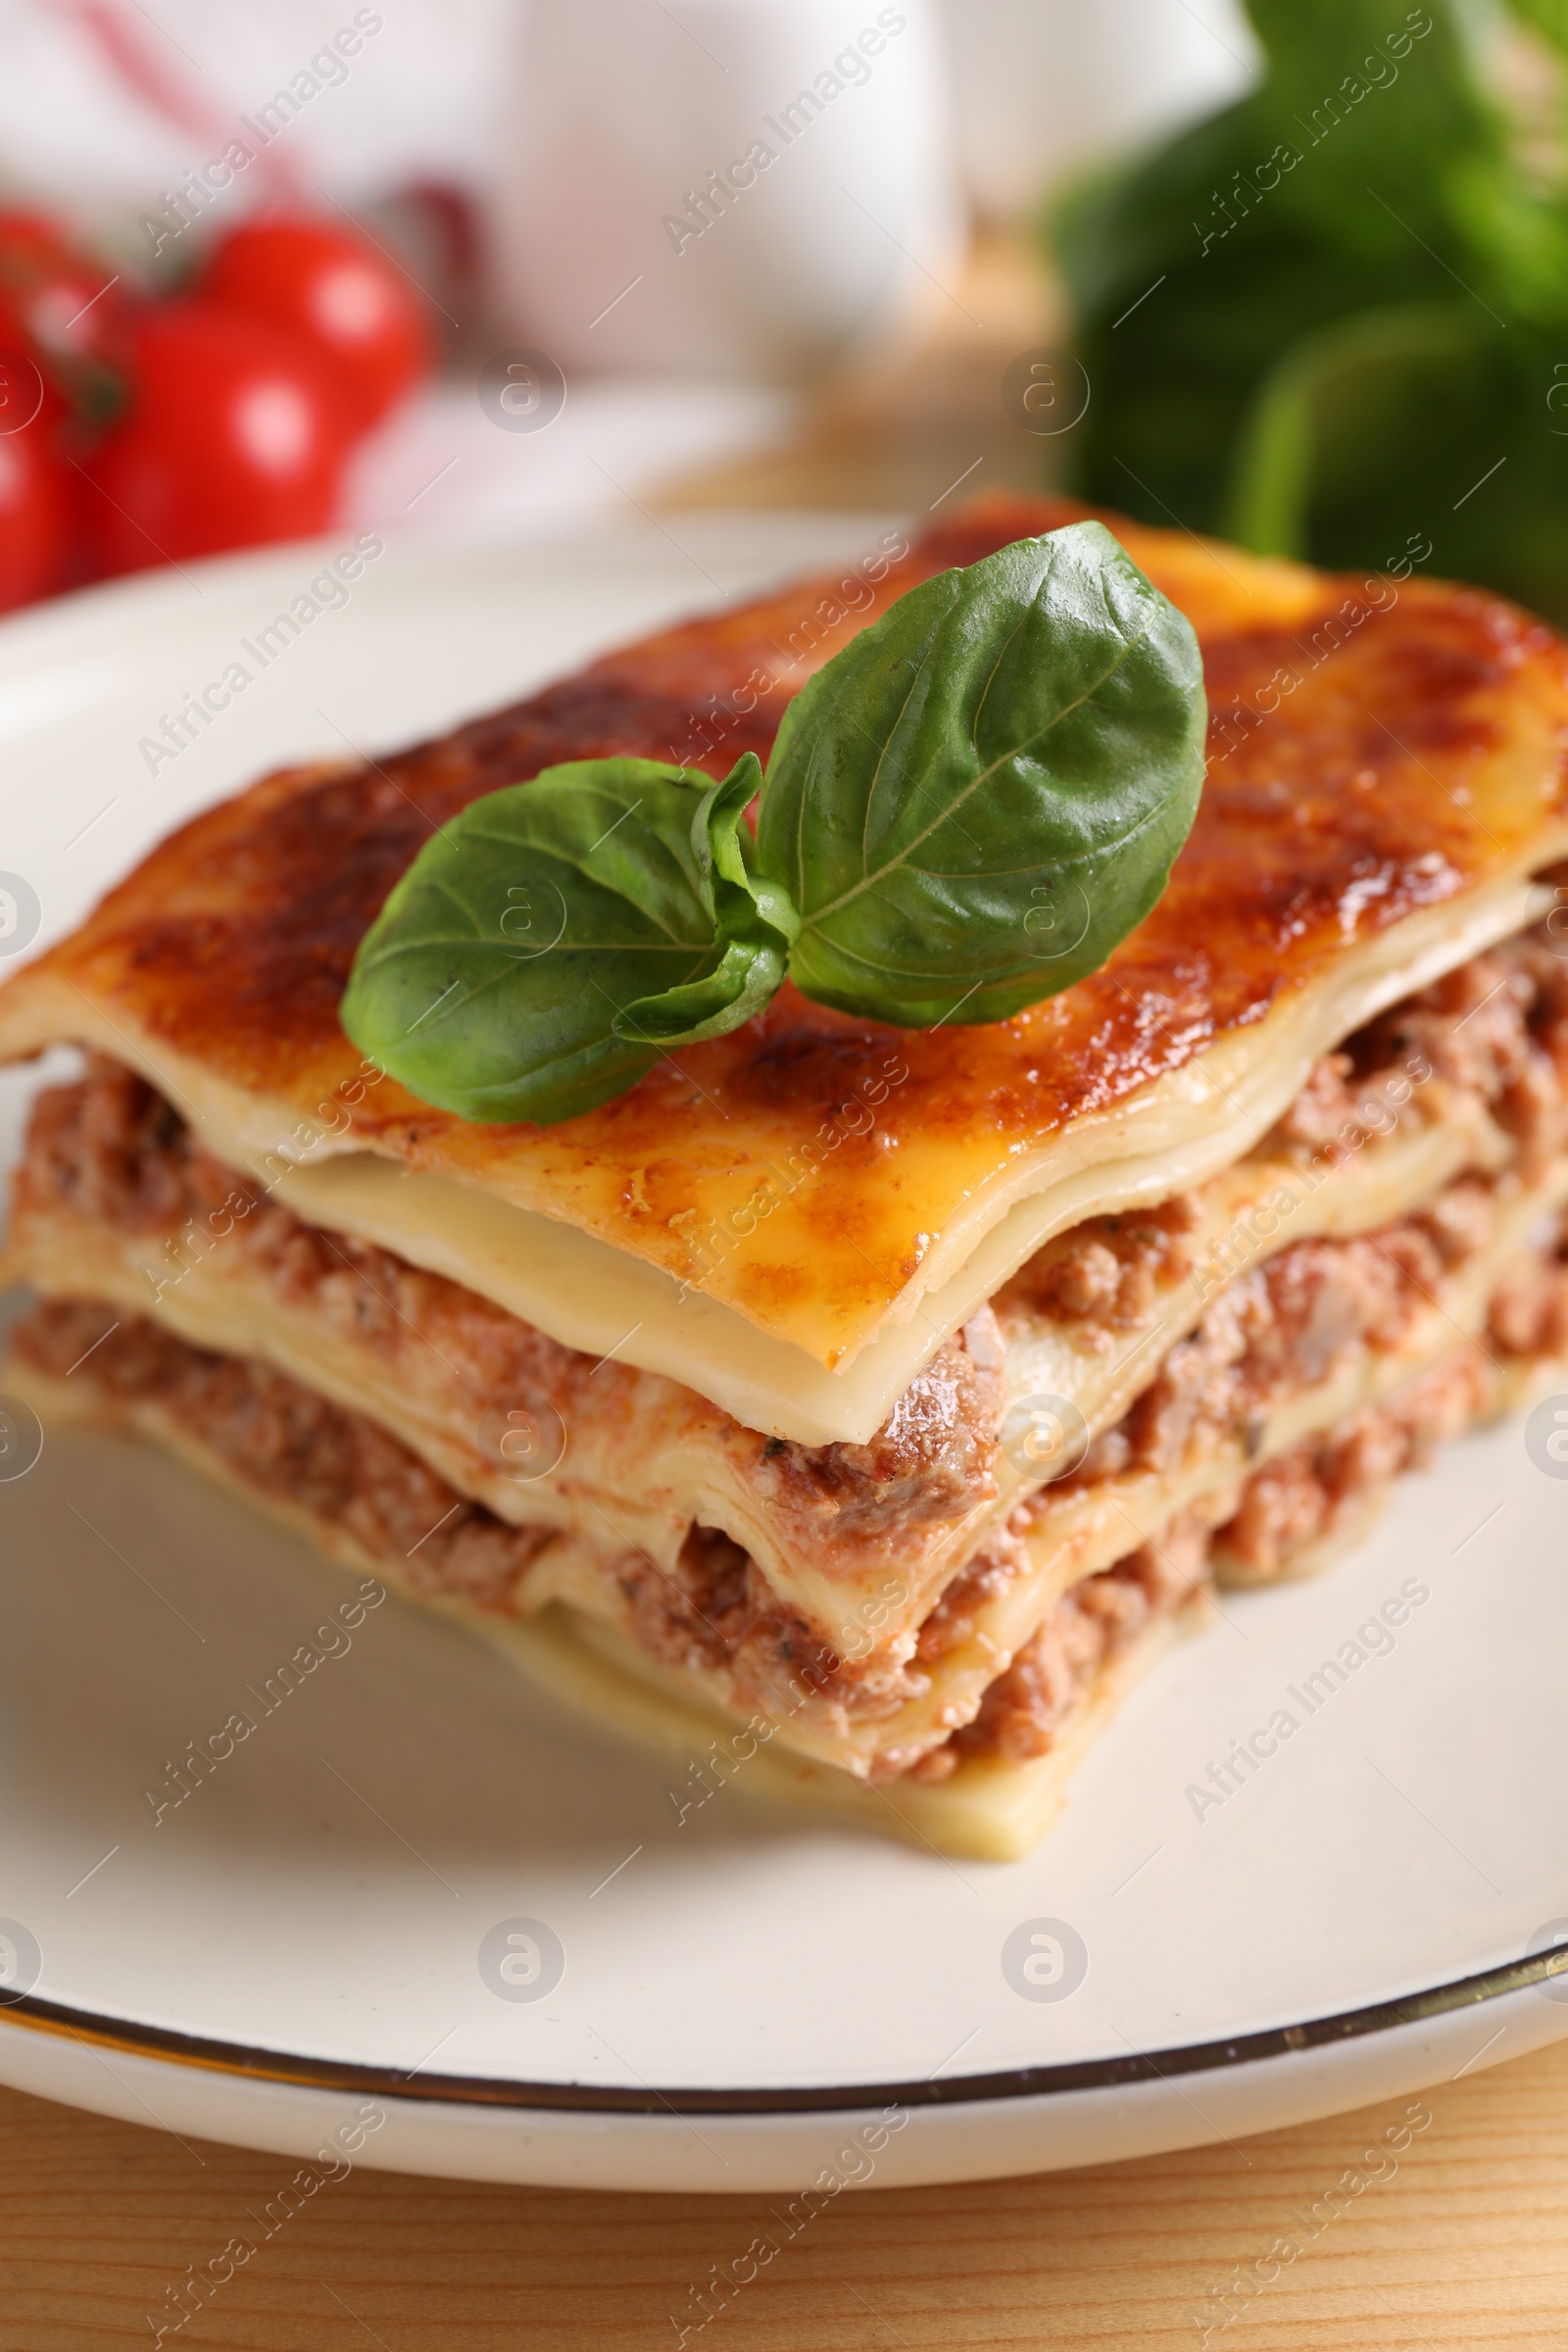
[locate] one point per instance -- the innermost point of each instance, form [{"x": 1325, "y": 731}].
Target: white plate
[{"x": 747, "y": 1991}]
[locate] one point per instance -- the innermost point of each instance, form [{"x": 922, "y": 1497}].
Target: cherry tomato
[
  {"x": 338, "y": 293},
  {"x": 65, "y": 311},
  {"x": 236, "y": 434},
  {"x": 32, "y": 517}
]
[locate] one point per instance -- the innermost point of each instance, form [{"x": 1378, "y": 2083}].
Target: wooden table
[{"x": 1466, "y": 2244}]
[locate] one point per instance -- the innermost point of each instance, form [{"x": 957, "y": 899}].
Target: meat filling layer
[
  {"x": 286, "y": 1441},
  {"x": 292, "y": 1444},
  {"x": 1286, "y": 1327},
  {"x": 1492, "y": 1038},
  {"x": 113, "y": 1151},
  {"x": 1487, "y": 1046}
]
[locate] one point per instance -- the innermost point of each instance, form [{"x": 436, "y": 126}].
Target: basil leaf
[
  {"x": 983, "y": 791},
  {"x": 552, "y": 941}
]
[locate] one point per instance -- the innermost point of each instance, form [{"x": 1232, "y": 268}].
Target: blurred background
[{"x": 1295, "y": 270}]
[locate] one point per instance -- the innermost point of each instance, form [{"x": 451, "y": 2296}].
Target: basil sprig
[{"x": 963, "y": 813}]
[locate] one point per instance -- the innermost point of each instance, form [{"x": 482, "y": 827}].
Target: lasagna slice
[{"x": 862, "y": 1406}]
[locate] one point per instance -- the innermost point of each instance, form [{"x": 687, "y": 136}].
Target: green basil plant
[{"x": 1331, "y": 319}]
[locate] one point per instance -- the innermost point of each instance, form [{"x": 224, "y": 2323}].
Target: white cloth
[
  {"x": 442, "y": 465},
  {"x": 416, "y": 101}
]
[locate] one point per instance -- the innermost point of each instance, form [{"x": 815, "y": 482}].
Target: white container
[
  {"x": 1043, "y": 86},
  {"x": 742, "y": 188}
]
